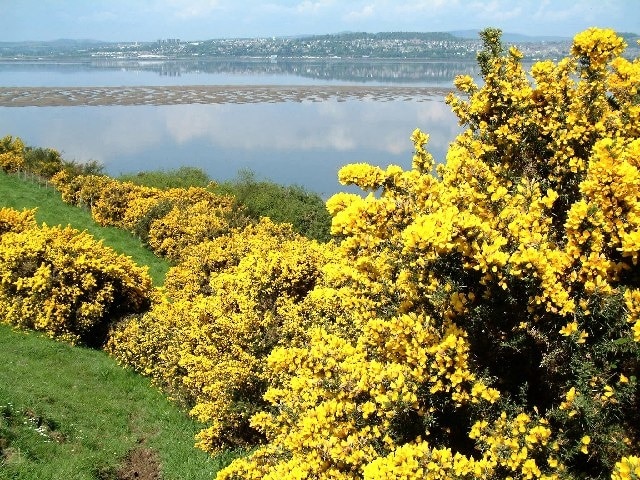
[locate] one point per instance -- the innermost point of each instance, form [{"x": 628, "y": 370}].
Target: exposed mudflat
[{"x": 216, "y": 94}]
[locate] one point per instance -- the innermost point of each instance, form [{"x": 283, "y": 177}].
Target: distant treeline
[{"x": 424, "y": 45}]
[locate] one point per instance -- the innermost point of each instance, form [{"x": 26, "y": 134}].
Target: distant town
[{"x": 395, "y": 45}]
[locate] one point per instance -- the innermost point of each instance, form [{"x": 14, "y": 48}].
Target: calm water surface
[
  {"x": 233, "y": 72},
  {"x": 303, "y": 143}
]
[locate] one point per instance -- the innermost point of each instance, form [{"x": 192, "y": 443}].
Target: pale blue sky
[{"x": 143, "y": 20}]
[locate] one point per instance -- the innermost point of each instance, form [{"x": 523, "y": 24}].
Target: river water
[{"x": 290, "y": 122}]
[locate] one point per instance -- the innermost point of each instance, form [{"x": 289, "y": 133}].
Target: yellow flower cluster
[
  {"x": 420, "y": 461},
  {"x": 187, "y": 225},
  {"x": 81, "y": 190},
  {"x": 65, "y": 283},
  {"x": 628, "y": 468},
  {"x": 365, "y": 176},
  {"x": 342, "y": 403},
  {"x": 229, "y": 303},
  {"x": 11, "y": 154},
  {"x": 168, "y": 220},
  {"x": 522, "y": 445},
  {"x": 475, "y": 319},
  {"x": 14, "y": 221},
  {"x": 514, "y": 262},
  {"x": 632, "y": 302},
  {"x": 569, "y": 402},
  {"x": 597, "y": 46}
]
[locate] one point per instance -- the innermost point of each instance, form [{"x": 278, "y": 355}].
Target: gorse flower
[
  {"x": 64, "y": 282},
  {"x": 508, "y": 262},
  {"x": 475, "y": 319},
  {"x": 229, "y": 303}
]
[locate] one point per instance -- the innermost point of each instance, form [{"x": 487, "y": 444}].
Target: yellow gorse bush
[
  {"x": 229, "y": 303},
  {"x": 190, "y": 224},
  {"x": 475, "y": 319},
  {"x": 480, "y": 319},
  {"x": 11, "y": 154},
  {"x": 63, "y": 282},
  {"x": 628, "y": 468},
  {"x": 167, "y": 220},
  {"x": 14, "y": 221},
  {"x": 81, "y": 190}
]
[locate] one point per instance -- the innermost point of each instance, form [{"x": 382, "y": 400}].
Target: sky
[{"x": 150, "y": 20}]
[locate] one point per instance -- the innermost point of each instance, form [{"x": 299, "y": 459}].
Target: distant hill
[
  {"x": 425, "y": 36},
  {"x": 629, "y": 37},
  {"x": 63, "y": 46},
  {"x": 457, "y": 44},
  {"x": 511, "y": 37},
  {"x": 58, "y": 43}
]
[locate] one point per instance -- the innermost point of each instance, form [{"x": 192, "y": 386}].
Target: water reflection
[
  {"x": 301, "y": 143},
  {"x": 234, "y": 72},
  {"x": 381, "y": 72}
]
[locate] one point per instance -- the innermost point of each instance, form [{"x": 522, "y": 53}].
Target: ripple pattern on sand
[{"x": 176, "y": 95}]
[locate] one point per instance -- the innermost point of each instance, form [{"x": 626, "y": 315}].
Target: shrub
[
  {"x": 11, "y": 154},
  {"x": 285, "y": 204},
  {"x": 113, "y": 202},
  {"x": 183, "y": 177},
  {"x": 14, "y": 221},
  {"x": 89, "y": 167},
  {"x": 231, "y": 301},
  {"x": 44, "y": 162},
  {"x": 66, "y": 284},
  {"x": 497, "y": 295},
  {"x": 167, "y": 221},
  {"x": 141, "y": 214},
  {"x": 170, "y": 220},
  {"x": 197, "y": 216}
]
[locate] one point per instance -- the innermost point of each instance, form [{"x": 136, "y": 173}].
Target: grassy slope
[
  {"x": 73, "y": 413},
  {"x": 19, "y": 193},
  {"x": 90, "y": 413}
]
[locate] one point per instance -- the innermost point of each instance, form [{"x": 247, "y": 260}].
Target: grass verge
[
  {"x": 73, "y": 413},
  {"x": 19, "y": 193}
]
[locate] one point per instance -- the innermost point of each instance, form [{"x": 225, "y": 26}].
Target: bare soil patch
[{"x": 142, "y": 463}]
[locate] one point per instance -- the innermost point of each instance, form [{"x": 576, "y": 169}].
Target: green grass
[
  {"x": 19, "y": 193},
  {"x": 73, "y": 413},
  {"x": 293, "y": 204}
]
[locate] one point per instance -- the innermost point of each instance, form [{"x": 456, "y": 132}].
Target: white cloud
[
  {"x": 422, "y": 6},
  {"x": 309, "y": 7},
  {"x": 553, "y": 13},
  {"x": 366, "y": 12},
  {"x": 496, "y": 10},
  {"x": 187, "y": 9},
  {"x": 70, "y": 135},
  {"x": 327, "y": 125}
]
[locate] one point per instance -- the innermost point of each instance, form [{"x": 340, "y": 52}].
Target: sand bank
[{"x": 216, "y": 94}]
